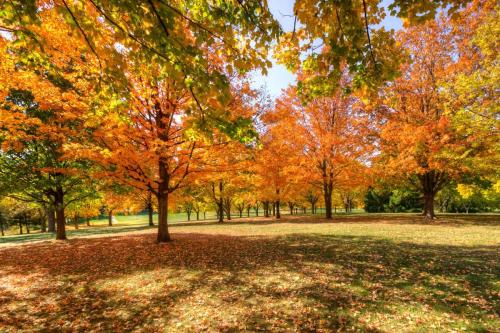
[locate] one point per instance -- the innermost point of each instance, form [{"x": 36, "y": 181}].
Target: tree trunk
[
  {"x": 220, "y": 203},
  {"x": 228, "y": 209},
  {"x": 60, "y": 218},
  {"x": 278, "y": 214},
  {"x": 328, "y": 204},
  {"x": 197, "y": 215},
  {"x": 256, "y": 211},
  {"x": 87, "y": 220},
  {"x": 431, "y": 182},
  {"x": 51, "y": 218},
  {"x": 189, "y": 215},
  {"x": 20, "y": 227},
  {"x": 163, "y": 234},
  {"x": 26, "y": 223},
  {"x": 43, "y": 222},
  {"x": 248, "y": 211},
  {"x": 429, "y": 205},
  {"x": 1, "y": 226},
  {"x": 75, "y": 218},
  {"x": 150, "y": 210},
  {"x": 110, "y": 218}
]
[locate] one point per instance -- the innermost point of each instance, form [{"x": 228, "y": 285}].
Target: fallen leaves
[{"x": 221, "y": 283}]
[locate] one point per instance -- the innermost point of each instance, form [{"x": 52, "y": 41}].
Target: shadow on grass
[
  {"x": 92, "y": 231},
  {"x": 454, "y": 220},
  {"x": 225, "y": 283}
]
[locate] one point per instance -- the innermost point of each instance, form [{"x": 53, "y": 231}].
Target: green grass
[{"x": 367, "y": 273}]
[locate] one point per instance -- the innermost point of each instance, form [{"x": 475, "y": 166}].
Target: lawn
[{"x": 369, "y": 273}]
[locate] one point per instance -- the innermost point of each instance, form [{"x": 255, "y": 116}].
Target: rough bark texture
[
  {"x": 227, "y": 207},
  {"x": 163, "y": 234},
  {"x": 149, "y": 206},
  {"x": 327, "y": 189},
  {"x": 278, "y": 213},
  {"x": 51, "y": 218},
  {"x": 431, "y": 182},
  {"x": 60, "y": 218}
]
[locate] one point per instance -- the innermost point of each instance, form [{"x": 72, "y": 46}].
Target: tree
[
  {"x": 329, "y": 35},
  {"x": 419, "y": 139},
  {"x": 334, "y": 136},
  {"x": 44, "y": 98}
]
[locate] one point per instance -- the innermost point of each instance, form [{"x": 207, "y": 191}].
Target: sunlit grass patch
[{"x": 297, "y": 275}]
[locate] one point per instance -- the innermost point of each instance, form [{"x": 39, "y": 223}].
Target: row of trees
[{"x": 158, "y": 103}]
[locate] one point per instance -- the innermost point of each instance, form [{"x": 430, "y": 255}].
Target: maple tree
[
  {"x": 332, "y": 133},
  {"x": 45, "y": 93},
  {"x": 419, "y": 137},
  {"x": 329, "y": 35}
]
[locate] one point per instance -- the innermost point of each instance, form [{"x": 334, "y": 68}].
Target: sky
[{"x": 278, "y": 77}]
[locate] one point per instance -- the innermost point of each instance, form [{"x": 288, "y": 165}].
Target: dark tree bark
[
  {"x": 51, "y": 218},
  {"x": 59, "y": 210},
  {"x": 110, "y": 218},
  {"x": 75, "y": 220},
  {"x": 162, "y": 196},
  {"x": 43, "y": 221},
  {"x": 256, "y": 208},
  {"x": 163, "y": 234},
  {"x": 20, "y": 227},
  {"x": 219, "y": 202},
  {"x": 227, "y": 207},
  {"x": 327, "y": 189},
  {"x": 87, "y": 220},
  {"x": 26, "y": 222},
  {"x": 431, "y": 182},
  {"x": 149, "y": 207}
]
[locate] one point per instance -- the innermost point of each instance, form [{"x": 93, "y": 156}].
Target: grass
[{"x": 367, "y": 273}]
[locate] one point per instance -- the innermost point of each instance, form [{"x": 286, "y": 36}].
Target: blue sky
[{"x": 278, "y": 77}]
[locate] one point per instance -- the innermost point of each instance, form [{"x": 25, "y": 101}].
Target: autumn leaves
[{"x": 103, "y": 108}]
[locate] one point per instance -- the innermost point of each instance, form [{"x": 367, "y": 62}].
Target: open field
[{"x": 370, "y": 273}]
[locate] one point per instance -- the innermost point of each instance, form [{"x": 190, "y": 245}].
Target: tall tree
[{"x": 419, "y": 138}]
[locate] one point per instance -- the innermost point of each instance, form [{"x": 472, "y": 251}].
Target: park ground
[{"x": 368, "y": 273}]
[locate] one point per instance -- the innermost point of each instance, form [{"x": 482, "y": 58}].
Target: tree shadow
[
  {"x": 227, "y": 283},
  {"x": 455, "y": 220}
]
